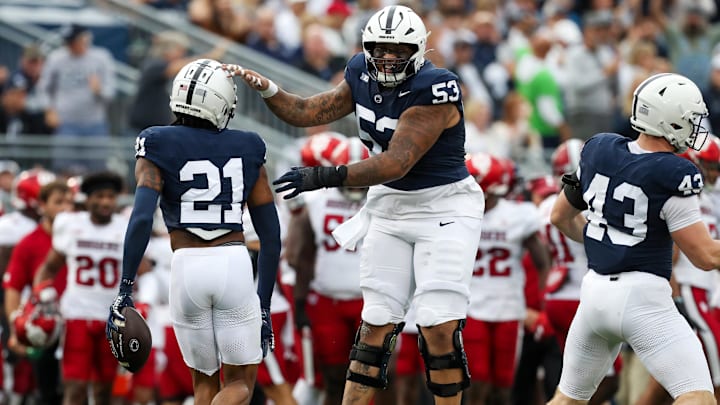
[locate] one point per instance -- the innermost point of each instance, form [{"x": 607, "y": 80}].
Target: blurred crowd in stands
[{"x": 534, "y": 73}]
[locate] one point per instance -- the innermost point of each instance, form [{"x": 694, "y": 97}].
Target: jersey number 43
[{"x": 635, "y": 220}]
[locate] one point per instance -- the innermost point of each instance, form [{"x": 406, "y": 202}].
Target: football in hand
[{"x": 131, "y": 343}]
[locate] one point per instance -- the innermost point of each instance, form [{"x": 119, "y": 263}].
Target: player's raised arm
[{"x": 319, "y": 109}]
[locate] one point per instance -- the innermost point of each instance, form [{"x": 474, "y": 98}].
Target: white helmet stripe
[{"x": 191, "y": 89}]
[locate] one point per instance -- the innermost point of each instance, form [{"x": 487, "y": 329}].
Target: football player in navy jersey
[
  {"x": 421, "y": 221},
  {"x": 641, "y": 197},
  {"x": 206, "y": 175}
]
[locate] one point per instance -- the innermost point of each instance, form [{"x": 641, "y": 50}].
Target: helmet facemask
[
  {"x": 698, "y": 134},
  {"x": 390, "y": 72}
]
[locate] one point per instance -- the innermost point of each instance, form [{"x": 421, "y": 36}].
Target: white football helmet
[
  {"x": 203, "y": 89},
  {"x": 394, "y": 25},
  {"x": 670, "y": 106}
]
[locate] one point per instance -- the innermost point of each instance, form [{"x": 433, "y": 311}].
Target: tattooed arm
[
  {"x": 322, "y": 108},
  {"x": 418, "y": 129},
  {"x": 148, "y": 175},
  {"x": 319, "y": 109}
]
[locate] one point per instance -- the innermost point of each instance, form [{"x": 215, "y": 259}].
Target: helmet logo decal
[{"x": 639, "y": 89}]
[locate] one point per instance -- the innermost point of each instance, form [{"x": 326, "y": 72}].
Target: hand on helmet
[{"x": 255, "y": 80}]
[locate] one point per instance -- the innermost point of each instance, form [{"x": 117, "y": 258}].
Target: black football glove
[
  {"x": 116, "y": 319},
  {"x": 301, "y": 179},
  {"x": 301, "y": 317},
  {"x": 680, "y": 305},
  {"x": 267, "y": 337}
]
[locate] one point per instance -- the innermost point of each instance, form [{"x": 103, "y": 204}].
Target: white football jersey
[
  {"x": 685, "y": 272},
  {"x": 337, "y": 271},
  {"x": 15, "y": 226},
  {"x": 94, "y": 256},
  {"x": 565, "y": 252},
  {"x": 497, "y": 286}
]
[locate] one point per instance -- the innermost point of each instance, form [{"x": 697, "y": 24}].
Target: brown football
[{"x": 131, "y": 343}]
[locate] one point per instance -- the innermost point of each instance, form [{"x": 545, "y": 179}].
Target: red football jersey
[{"x": 27, "y": 256}]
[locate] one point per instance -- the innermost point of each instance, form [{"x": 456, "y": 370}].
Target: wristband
[
  {"x": 126, "y": 286},
  {"x": 270, "y": 91}
]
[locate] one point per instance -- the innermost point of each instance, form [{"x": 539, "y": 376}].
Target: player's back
[
  {"x": 207, "y": 174},
  {"x": 626, "y": 190}
]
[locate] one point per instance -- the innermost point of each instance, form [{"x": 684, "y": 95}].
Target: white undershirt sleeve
[{"x": 679, "y": 212}]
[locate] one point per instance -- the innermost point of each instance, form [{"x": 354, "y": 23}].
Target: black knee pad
[
  {"x": 373, "y": 356},
  {"x": 455, "y": 359}
]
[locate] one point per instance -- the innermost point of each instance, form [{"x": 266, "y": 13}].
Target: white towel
[{"x": 349, "y": 233}]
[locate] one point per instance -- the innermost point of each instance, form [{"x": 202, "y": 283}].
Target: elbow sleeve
[{"x": 573, "y": 191}]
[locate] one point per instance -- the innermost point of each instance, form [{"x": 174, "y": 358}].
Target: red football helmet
[
  {"x": 26, "y": 189},
  {"x": 350, "y": 150},
  {"x": 492, "y": 174},
  {"x": 543, "y": 186},
  {"x": 320, "y": 149},
  {"x": 566, "y": 157},
  {"x": 39, "y": 322}
]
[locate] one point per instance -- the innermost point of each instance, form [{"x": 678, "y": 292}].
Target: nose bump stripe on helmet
[
  {"x": 388, "y": 23},
  {"x": 193, "y": 82}
]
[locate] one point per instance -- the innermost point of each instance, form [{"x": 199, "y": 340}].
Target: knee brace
[
  {"x": 373, "y": 356},
  {"x": 455, "y": 359}
]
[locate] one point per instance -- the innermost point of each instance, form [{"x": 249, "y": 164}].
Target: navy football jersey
[
  {"x": 377, "y": 112},
  {"x": 625, "y": 193},
  {"x": 207, "y": 174}
]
